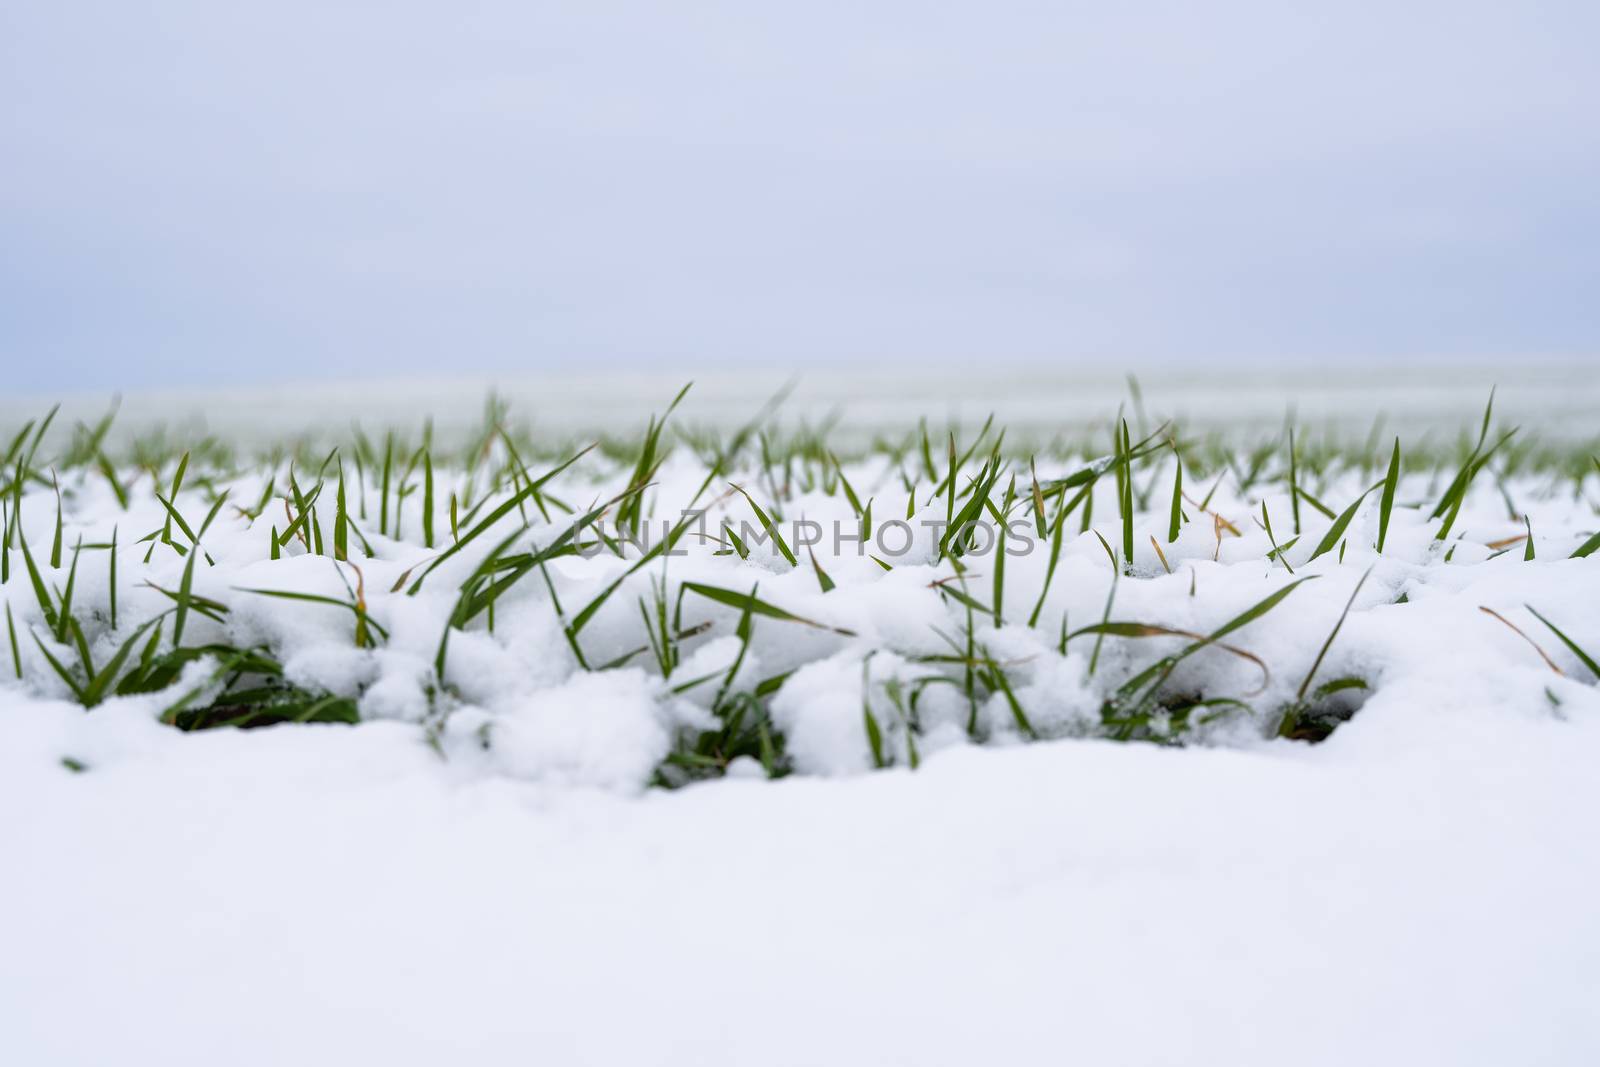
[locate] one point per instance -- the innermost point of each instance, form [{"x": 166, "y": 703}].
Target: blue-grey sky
[{"x": 206, "y": 192}]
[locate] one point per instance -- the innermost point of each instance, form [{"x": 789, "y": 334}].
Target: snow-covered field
[{"x": 1183, "y": 772}]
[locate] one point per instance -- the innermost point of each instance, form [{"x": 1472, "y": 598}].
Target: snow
[
  {"x": 602, "y": 729},
  {"x": 324, "y": 895},
  {"x": 497, "y": 883}
]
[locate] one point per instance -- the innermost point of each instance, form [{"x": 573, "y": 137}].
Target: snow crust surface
[{"x": 1401, "y": 894}]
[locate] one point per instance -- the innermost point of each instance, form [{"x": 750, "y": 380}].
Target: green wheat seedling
[{"x": 464, "y": 524}]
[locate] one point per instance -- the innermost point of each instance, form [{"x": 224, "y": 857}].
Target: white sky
[{"x": 209, "y": 193}]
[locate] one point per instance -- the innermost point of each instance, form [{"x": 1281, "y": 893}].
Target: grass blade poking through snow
[
  {"x": 500, "y": 512},
  {"x": 111, "y": 584},
  {"x": 1002, "y": 517},
  {"x": 1386, "y": 502},
  {"x": 749, "y": 602},
  {"x": 1336, "y": 531},
  {"x": 662, "y": 547},
  {"x": 185, "y": 596},
  {"x": 769, "y": 526},
  {"x": 1300, "y": 694},
  {"x": 870, "y": 721},
  {"x": 1038, "y": 502},
  {"x": 823, "y": 580},
  {"x": 11, "y": 632},
  {"x": 1294, "y": 481},
  {"x": 1125, "y": 496},
  {"x": 1175, "y": 520},
  {"x": 1058, "y": 526},
  {"x": 341, "y": 521},
  {"x": 1449, "y": 505},
  {"x": 999, "y": 682},
  {"x": 1583, "y": 657},
  {"x": 100, "y": 684},
  {"x": 470, "y": 589},
  {"x": 46, "y": 604},
  {"x": 427, "y": 498},
  {"x": 1277, "y": 553},
  {"x": 55, "y": 544},
  {"x": 1133, "y": 697},
  {"x": 631, "y": 513}
]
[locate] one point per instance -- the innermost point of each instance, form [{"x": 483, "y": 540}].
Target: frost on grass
[{"x": 687, "y": 604}]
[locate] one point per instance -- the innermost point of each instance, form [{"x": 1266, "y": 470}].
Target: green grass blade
[
  {"x": 1260, "y": 608},
  {"x": 749, "y": 602},
  {"x": 11, "y": 632},
  {"x": 1300, "y": 694},
  {"x": 64, "y": 612},
  {"x": 1336, "y": 531},
  {"x": 1583, "y": 657},
  {"x": 46, "y": 606},
  {"x": 57, "y": 666},
  {"x": 112, "y": 583},
  {"x": 500, "y": 512},
  {"x": 1386, "y": 502},
  {"x": 1587, "y": 548},
  {"x": 1125, "y": 496},
  {"x": 769, "y": 526},
  {"x": 100, "y": 684},
  {"x": 869, "y": 720},
  {"x": 427, "y": 498},
  {"x": 822, "y": 576},
  {"x": 55, "y": 544},
  {"x": 1175, "y": 520},
  {"x": 1294, "y": 481}
]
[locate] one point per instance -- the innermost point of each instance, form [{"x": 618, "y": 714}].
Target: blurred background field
[{"x": 1552, "y": 401}]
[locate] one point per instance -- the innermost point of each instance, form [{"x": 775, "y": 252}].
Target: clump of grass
[{"x": 482, "y": 515}]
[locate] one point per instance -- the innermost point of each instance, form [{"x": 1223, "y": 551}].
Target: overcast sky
[{"x": 215, "y": 192}]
